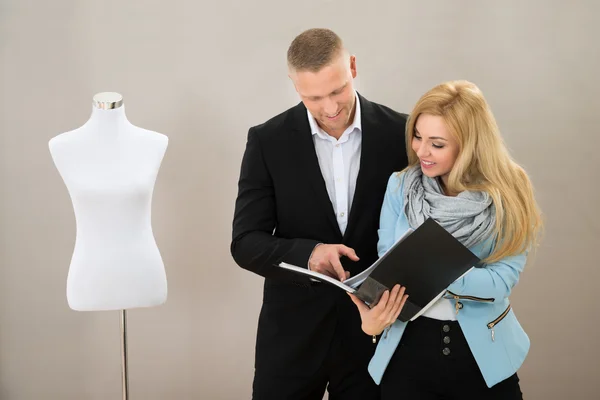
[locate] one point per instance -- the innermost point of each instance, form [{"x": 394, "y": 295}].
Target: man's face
[{"x": 329, "y": 93}]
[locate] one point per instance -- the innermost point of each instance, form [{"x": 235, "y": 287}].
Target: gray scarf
[{"x": 469, "y": 217}]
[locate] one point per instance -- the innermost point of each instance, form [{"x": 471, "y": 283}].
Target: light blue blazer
[{"x": 495, "y": 337}]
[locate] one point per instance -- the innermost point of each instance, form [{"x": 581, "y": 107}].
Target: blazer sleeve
[
  {"x": 253, "y": 246},
  {"x": 390, "y": 212},
  {"x": 495, "y": 280}
]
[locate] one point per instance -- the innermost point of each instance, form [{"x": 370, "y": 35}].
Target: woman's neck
[{"x": 444, "y": 184}]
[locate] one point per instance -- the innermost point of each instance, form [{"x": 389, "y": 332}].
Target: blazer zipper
[
  {"x": 466, "y": 297},
  {"x": 495, "y": 322},
  {"x": 385, "y": 332}
]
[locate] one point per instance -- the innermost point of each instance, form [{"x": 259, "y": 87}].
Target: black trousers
[
  {"x": 433, "y": 361},
  {"x": 341, "y": 375}
]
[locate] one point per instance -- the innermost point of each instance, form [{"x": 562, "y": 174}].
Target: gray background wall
[{"x": 203, "y": 73}]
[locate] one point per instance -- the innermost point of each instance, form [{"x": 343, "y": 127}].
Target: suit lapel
[
  {"x": 307, "y": 158},
  {"x": 368, "y": 162}
]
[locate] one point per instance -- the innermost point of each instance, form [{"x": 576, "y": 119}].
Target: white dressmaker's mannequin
[{"x": 109, "y": 167}]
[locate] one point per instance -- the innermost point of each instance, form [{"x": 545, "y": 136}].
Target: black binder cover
[{"x": 426, "y": 262}]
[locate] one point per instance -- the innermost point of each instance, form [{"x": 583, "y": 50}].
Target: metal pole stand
[{"x": 124, "y": 361}]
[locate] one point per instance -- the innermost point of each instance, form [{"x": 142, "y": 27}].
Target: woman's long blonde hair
[{"x": 483, "y": 164}]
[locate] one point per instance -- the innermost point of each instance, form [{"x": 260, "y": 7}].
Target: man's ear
[{"x": 353, "y": 66}]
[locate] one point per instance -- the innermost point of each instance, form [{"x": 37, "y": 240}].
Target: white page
[{"x": 318, "y": 276}]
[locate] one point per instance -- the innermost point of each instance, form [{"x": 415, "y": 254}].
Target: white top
[
  {"x": 443, "y": 309},
  {"x": 109, "y": 167},
  {"x": 340, "y": 162}
]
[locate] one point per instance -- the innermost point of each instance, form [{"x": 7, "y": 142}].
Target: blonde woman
[{"x": 469, "y": 345}]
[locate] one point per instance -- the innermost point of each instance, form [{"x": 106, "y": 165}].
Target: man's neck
[{"x": 337, "y": 133}]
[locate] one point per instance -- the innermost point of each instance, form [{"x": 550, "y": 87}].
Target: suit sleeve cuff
[{"x": 301, "y": 252}]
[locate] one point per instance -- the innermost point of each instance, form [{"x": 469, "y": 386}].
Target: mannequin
[{"x": 109, "y": 167}]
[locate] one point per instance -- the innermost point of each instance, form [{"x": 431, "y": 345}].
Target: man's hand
[
  {"x": 326, "y": 260},
  {"x": 384, "y": 314}
]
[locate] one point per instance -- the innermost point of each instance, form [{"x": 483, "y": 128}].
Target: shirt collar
[{"x": 356, "y": 123}]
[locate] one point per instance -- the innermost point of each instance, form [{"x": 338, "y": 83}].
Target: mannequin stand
[{"x": 124, "y": 361}]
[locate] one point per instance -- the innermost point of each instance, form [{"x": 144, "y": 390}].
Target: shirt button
[
  {"x": 446, "y": 339},
  {"x": 446, "y": 351},
  {"x": 342, "y": 214},
  {"x": 446, "y": 328}
]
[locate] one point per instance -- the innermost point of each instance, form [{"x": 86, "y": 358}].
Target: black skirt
[{"x": 433, "y": 361}]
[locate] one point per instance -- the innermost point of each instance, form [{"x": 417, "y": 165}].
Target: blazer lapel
[
  {"x": 307, "y": 156},
  {"x": 368, "y": 162}
]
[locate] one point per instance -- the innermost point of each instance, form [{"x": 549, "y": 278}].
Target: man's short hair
[{"x": 313, "y": 49}]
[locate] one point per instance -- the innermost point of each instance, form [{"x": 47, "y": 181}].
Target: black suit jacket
[{"x": 283, "y": 211}]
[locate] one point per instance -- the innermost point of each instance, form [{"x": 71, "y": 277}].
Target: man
[{"x": 311, "y": 187}]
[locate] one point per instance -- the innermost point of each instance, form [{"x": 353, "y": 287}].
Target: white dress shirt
[{"x": 339, "y": 160}]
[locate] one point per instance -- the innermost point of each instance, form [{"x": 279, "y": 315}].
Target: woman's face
[{"x": 436, "y": 148}]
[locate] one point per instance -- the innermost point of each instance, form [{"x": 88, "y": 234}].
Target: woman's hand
[{"x": 384, "y": 314}]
